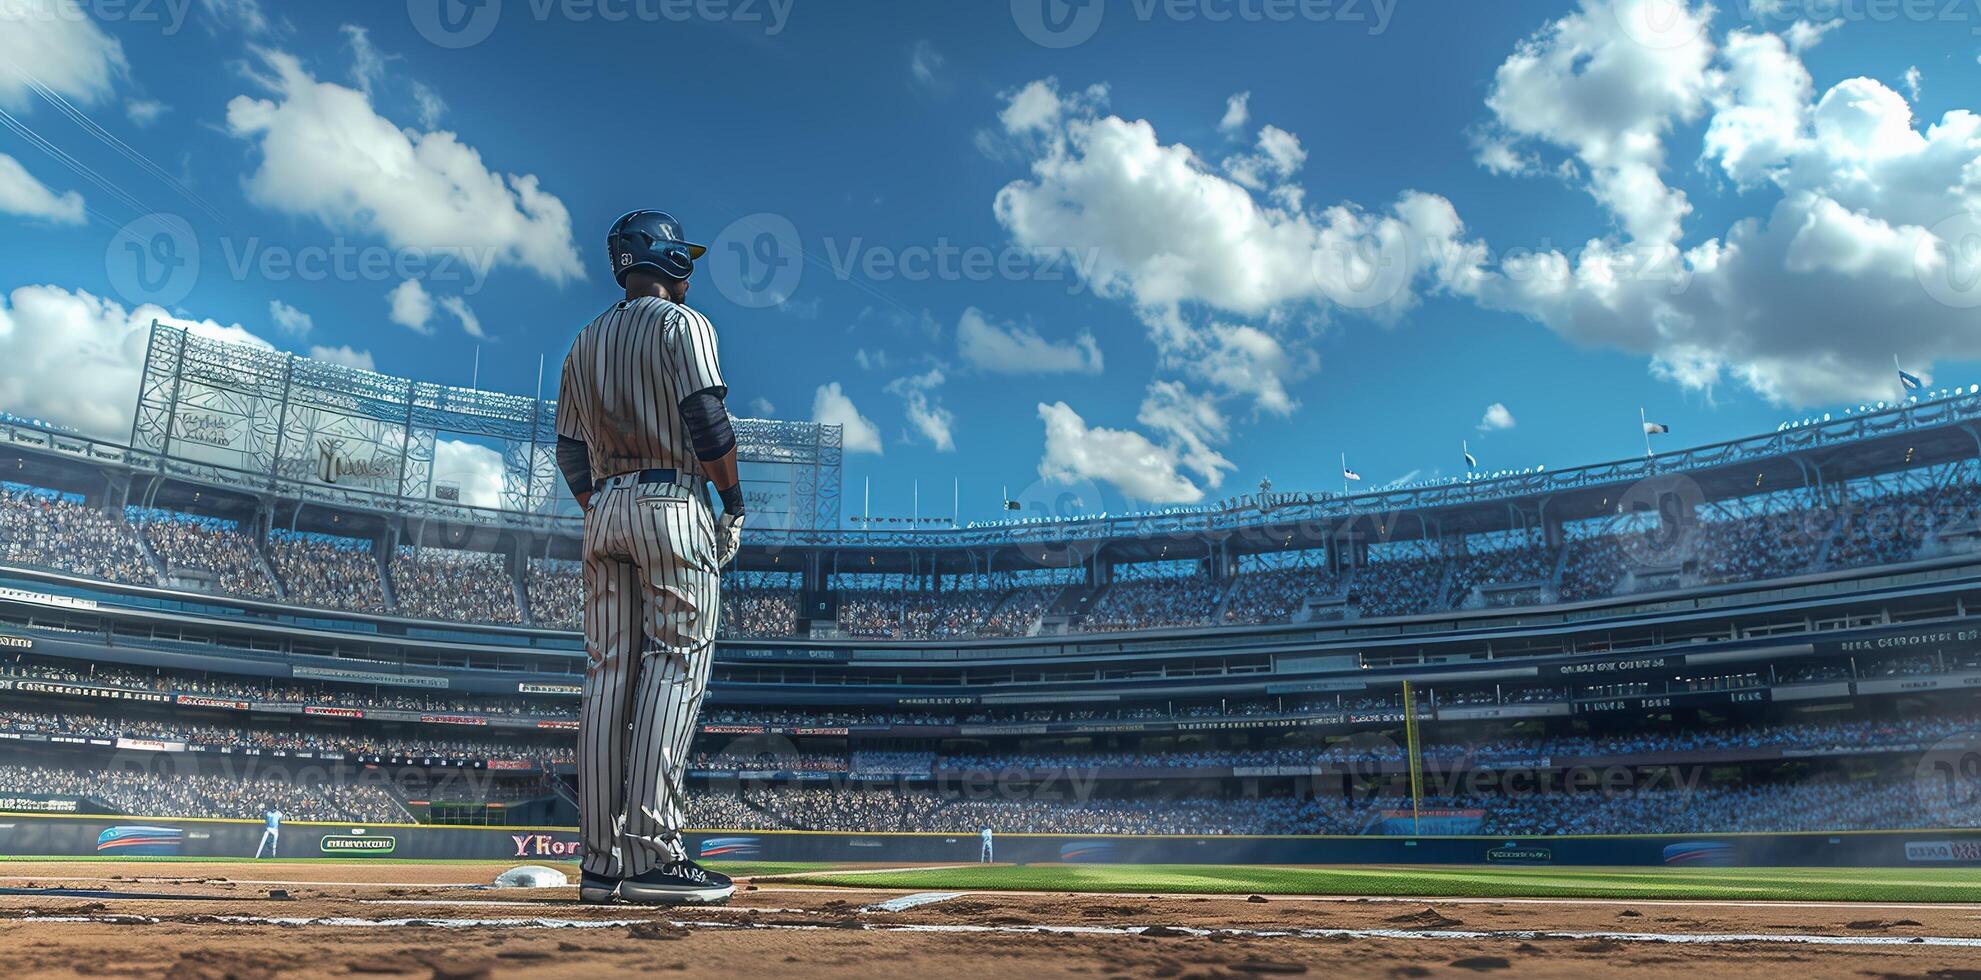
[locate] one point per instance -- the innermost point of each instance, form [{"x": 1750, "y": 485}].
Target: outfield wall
[{"x": 43, "y": 835}]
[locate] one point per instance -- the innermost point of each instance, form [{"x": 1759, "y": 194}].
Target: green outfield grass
[{"x": 1780, "y": 884}]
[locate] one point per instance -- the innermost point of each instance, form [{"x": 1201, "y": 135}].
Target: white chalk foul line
[{"x": 1688, "y": 939}]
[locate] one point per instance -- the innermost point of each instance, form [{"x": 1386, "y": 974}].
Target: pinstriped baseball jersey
[
  {"x": 624, "y": 381},
  {"x": 651, "y": 582}
]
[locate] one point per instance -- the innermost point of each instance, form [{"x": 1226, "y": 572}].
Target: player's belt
[{"x": 650, "y": 477}]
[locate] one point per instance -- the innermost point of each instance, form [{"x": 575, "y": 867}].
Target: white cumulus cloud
[
  {"x": 346, "y": 355},
  {"x": 926, "y": 416},
  {"x": 412, "y": 307},
  {"x": 1150, "y": 223},
  {"x": 74, "y": 358},
  {"x": 1076, "y": 451},
  {"x": 465, "y": 315},
  {"x": 475, "y": 468},
  {"x": 21, "y": 194},
  {"x": 290, "y": 320},
  {"x": 58, "y": 44},
  {"x": 1860, "y": 254},
  {"x": 1593, "y": 83},
  {"x": 326, "y": 153},
  {"x": 1237, "y": 112},
  {"x": 1497, "y": 417},
  {"x": 1014, "y": 349},
  {"x": 830, "y": 405}
]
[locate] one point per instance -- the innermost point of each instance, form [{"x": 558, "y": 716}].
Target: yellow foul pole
[{"x": 1416, "y": 760}]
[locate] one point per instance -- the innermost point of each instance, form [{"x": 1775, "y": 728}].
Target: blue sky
[{"x": 1134, "y": 259}]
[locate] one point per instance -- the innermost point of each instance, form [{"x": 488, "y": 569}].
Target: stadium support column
[
  {"x": 116, "y": 491},
  {"x": 1550, "y": 523}
]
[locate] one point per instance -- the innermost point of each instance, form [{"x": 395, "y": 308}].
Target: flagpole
[
  {"x": 1901, "y": 378},
  {"x": 1644, "y": 426},
  {"x": 1344, "y": 474}
]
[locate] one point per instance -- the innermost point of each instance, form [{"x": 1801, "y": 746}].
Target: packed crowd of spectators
[
  {"x": 755, "y": 608},
  {"x": 1593, "y": 567},
  {"x": 1760, "y": 546},
  {"x": 325, "y": 571},
  {"x": 557, "y": 593},
  {"x": 874, "y": 613},
  {"x": 1400, "y": 586},
  {"x": 1153, "y": 603},
  {"x": 195, "y": 794},
  {"x": 285, "y": 739},
  {"x": 1528, "y": 565},
  {"x": 956, "y": 613},
  {"x": 41, "y": 530},
  {"x": 893, "y": 762},
  {"x": 1725, "y": 542},
  {"x": 1890, "y": 528},
  {"x": 1758, "y": 807},
  {"x": 207, "y": 547},
  {"x": 286, "y": 691},
  {"x": 456, "y": 586},
  {"x": 1020, "y": 611},
  {"x": 1277, "y": 595}
]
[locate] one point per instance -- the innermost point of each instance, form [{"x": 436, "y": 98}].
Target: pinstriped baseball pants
[{"x": 651, "y": 605}]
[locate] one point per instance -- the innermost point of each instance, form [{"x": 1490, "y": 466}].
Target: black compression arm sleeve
[
  {"x": 574, "y": 459},
  {"x": 708, "y": 425}
]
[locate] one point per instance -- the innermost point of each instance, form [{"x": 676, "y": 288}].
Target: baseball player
[
  {"x": 985, "y": 857},
  {"x": 641, "y": 428},
  {"x": 271, "y": 831}
]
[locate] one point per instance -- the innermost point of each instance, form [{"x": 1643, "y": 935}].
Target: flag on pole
[
  {"x": 1348, "y": 474},
  {"x": 1909, "y": 382},
  {"x": 1656, "y": 428},
  {"x": 1471, "y": 461}
]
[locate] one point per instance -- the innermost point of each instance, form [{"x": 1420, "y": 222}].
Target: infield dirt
[{"x": 412, "y": 920}]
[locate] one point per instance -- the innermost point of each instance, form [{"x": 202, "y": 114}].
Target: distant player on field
[
  {"x": 271, "y": 831},
  {"x": 641, "y": 428},
  {"x": 985, "y": 857}
]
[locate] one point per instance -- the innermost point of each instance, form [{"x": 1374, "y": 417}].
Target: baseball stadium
[
  {"x": 268, "y": 686},
  {"x": 405, "y": 576}
]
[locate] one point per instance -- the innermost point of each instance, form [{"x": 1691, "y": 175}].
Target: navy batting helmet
[{"x": 651, "y": 240}]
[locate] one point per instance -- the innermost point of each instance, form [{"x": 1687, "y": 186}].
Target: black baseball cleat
[
  {"x": 681, "y": 882},
  {"x": 597, "y": 889}
]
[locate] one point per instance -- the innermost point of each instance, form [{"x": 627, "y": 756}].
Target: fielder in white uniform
[
  {"x": 641, "y": 426},
  {"x": 271, "y": 832},
  {"x": 985, "y": 857}
]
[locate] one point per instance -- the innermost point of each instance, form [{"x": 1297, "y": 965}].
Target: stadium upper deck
[{"x": 1840, "y": 527}]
